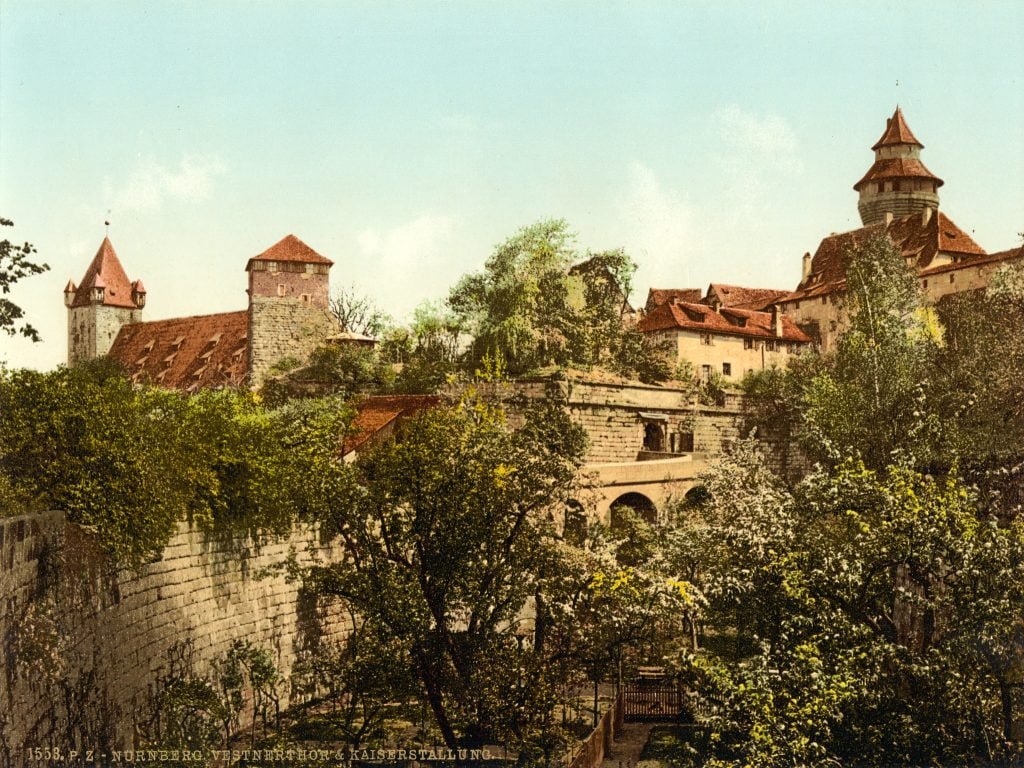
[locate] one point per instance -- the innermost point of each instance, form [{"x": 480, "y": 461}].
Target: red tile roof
[
  {"x": 729, "y": 321},
  {"x": 896, "y": 132},
  {"x": 897, "y": 168},
  {"x": 744, "y": 298},
  {"x": 290, "y": 248},
  {"x": 187, "y": 353},
  {"x": 658, "y": 296},
  {"x": 1011, "y": 254},
  {"x": 375, "y": 414},
  {"x": 916, "y": 240},
  {"x": 105, "y": 271}
]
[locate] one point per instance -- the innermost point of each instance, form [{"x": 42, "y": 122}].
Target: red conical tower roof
[
  {"x": 897, "y": 132},
  {"x": 105, "y": 272}
]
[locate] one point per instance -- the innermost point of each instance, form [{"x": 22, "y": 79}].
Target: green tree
[
  {"x": 429, "y": 351},
  {"x": 979, "y": 376},
  {"x": 540, "y": 303},
  {"x": 863, "y": 614},
  {"x": 449, "y": 539},
  {"x": 870, "y": 398},
  {"x": 132, "y": 461},
  {"x": 15, "y": 264}
]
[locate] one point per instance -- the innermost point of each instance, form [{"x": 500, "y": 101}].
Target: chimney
[
  {"x": 776, "y": 321},
  {"x": 807, "y": 267},
  {"x": 888, "y": 218},
  {"x": 926, "y": 215}
]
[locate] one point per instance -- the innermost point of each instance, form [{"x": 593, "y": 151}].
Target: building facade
[
  {"x": 287, "y": 317},
  {"x": 898, "y": 199}
]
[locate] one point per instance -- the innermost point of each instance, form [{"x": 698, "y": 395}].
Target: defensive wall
[
  {"x": 86, "y": 651},
  {"x": 645, "y": 440}
]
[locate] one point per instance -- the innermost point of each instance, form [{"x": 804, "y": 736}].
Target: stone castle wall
[
  {"x": 614, "y": 416},
  {"x": 85, "y": 651},
  {"x": 280, "y": 328},
  {"x": 93, "y": 328}
]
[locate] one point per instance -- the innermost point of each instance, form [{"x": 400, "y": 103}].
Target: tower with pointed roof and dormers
[
  {"x": 898, "y": 183},
  {"x": 101, "y": 305}
]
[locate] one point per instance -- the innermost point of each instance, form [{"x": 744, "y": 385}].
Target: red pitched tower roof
[
  {"x": 290, "y": 248},
  {"x": 897, "y": 183},
  {"x": 897, "y": 132},
  {"x": 105, "y": 271}
]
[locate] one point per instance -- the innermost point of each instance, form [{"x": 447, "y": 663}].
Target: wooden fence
[
  {"x": 592, "y": 751},
  {"x": 652, "y": 701}
]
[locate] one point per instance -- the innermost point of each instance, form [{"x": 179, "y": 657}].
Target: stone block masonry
[
  {"x": 84, "y": 651},
  {"x": 615, "y": 414},
  {"x": 280, "y": 328}
]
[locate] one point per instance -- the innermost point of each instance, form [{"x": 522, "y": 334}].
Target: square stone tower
[{"x": 288, "y": 305}]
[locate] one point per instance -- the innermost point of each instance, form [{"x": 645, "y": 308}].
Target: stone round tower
[{"x": 898, "y": 182}]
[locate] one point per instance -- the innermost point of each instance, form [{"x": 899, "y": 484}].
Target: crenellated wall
[{"x": 84, "y": 650}]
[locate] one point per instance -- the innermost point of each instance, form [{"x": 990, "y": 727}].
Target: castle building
[
  {"x": 898, "y": 199},
  {"x": 897, "y": 183},
  {"x": 287, "y": 317},
  {"x": 101, "y": 305},
  {"x": 728, "y": 331}
]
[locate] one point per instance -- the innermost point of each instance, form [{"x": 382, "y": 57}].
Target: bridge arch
[{"x": 639, "y": 503}]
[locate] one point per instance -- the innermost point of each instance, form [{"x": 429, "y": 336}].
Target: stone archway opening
[{"x": 637, "y": 503}]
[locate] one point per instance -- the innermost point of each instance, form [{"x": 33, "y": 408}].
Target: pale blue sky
[{"x": 714, "y": 140}]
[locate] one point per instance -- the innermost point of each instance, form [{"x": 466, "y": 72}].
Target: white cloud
[
  {"x": 658, "y": 227},
  {"x": 768, "y": 134},
  {"x": 149, "y": 184},
  {"x": 756, "y": 140},
  {"x": 409, "y": 260}
]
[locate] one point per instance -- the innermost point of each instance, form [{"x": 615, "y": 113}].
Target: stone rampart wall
[
  {"x": 85, "y": 650},
  {"x": 614, "y": 416}
]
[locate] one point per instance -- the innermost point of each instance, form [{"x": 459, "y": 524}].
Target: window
[
  {"x": 705, "y": 339},
  {"x": 824, "y": 299},
  {"x": 705, "y": 372},
  {"x": 683, "y": 442},
  {"x": 924, "y": 284},
  {"x": 304, "y": 298},
  {"x": 796, "y": 305},
  {"x": 281, "y": 290},
  {"x": 654, "y": 437},
  {"x": 748, "y": 343},
  {"x": 727, "y": 369},
  {"x": 952, "y": 278},
  {"x": 769, "y": 346}
]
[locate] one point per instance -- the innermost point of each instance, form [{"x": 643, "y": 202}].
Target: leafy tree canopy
[
  {"x": 15, "y": 264},
  {"x": 540, "y": 302}
]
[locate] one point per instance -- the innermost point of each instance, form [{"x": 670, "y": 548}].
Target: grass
[{"x": 672, "y": 746}]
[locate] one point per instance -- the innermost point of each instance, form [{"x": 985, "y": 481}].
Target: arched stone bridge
[{"x": 646, "y": 486}]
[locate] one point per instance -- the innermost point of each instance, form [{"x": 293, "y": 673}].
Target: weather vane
[{"x": 106, "y": 224}]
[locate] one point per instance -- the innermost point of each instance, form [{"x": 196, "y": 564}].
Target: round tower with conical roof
[{"x": 897, "y": 183}]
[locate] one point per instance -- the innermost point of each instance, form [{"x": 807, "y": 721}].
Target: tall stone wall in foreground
[{"x": 85, "y": 651}]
